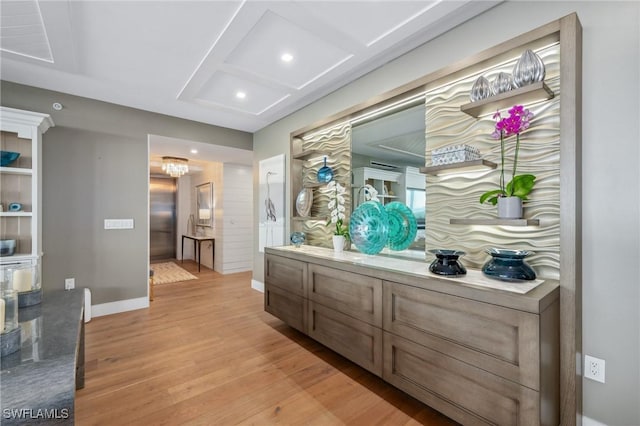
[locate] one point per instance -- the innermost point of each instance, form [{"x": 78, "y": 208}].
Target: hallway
[{"x": 206, "y": 353}]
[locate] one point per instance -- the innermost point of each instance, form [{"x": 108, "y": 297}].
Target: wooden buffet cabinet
[{"x": 478, "y": 355}]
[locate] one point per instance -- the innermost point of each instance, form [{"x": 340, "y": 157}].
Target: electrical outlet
[
  {"x": 69, "y": 283},
  {"x": 594, "y": 368}
]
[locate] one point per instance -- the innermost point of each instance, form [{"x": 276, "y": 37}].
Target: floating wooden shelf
[
  {"x": 321, "y": 184},
  {"x": 533, "y": 92},
  {"x": 312, "y": 153},
  {"x": 314, "y": 185},
  {"x": 507, "y": 222},
  {"x": 16, "y": 170},
  {"x": 305, "y": 218},
  {"x": 16, "y": 214},
  {"x": 465, "y": 166}
]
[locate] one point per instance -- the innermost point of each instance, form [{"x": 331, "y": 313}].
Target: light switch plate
[{"x": 118, "y": 224}]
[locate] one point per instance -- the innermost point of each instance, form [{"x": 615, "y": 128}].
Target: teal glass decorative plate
[
  {"x": 402, "y": 226},
  {"x": 369, "y": 227}
]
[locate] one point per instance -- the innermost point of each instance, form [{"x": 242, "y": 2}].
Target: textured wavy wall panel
[
  {"x": 456, "y": 195},
  {"x": 337, "y": 142}
]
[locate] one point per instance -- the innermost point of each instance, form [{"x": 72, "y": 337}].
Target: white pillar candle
[
  {"x": 1, "y": 315},
  {"x": 22, "y": 280}
]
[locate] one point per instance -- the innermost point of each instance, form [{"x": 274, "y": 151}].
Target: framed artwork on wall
[{"x": 272, "y": 191}]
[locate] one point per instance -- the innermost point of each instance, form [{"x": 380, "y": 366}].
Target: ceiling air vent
[{"x": 384, "y": 166}]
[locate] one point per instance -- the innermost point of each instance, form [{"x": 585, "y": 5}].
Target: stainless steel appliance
[{"x": 162, "y": 220}]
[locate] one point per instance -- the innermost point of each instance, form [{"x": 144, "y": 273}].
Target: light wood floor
[{"x": 206, "y": 353}]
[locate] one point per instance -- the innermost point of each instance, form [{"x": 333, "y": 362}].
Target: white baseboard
[
  {"x": 119, "y": 306},
  {"x": 586, "y": 421},
  {"x": 257, "y": 285},
  {"x": 236, "y": 270}
]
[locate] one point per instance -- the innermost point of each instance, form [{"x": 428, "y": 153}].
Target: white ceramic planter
[
  {"x": 338, "y": 243},
  {"x": 509, "y": 208}
]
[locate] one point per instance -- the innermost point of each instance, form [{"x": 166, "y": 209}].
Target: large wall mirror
[
  {"x": 387, "y": 152},
  {"x": 204, "y": 204}
]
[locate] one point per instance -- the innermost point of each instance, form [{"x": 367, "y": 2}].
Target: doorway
[{"x": 162, "y": 218}]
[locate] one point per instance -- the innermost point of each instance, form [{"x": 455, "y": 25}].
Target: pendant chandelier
[{"x": 175, "y": 166}]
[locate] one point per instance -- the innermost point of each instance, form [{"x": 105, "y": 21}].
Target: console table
[
  {"x": 198, "y": 241},
  {"x": 38, "y": 382},
  {"x": 479, "y": 355}
]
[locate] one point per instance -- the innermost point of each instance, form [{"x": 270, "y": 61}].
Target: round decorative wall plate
[{"x": 304, "y": 200}]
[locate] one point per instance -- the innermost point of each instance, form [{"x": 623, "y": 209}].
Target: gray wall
[
  {"x": 95, "y": 166},
  {"x": 89, "y": 177},
  {"x": 611, "y": 89}
]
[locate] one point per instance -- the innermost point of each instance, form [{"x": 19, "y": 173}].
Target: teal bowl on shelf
[
  {"x": 369, "y": 227},
  {"x": 8, "y": 157},
  {"x": 7, "y": 247},
  {"x": 15, "y": 207}
]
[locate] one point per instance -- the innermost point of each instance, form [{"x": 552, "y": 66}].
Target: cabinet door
[
  {"x": 288, "y": 307},
  {"x": 503, "y": 341},
  {"x": 288, "y": 274},
  {"x": 356, "y": 295},
  {"x": 356, "y": 340},
  {"x": 467, "y": 394}
]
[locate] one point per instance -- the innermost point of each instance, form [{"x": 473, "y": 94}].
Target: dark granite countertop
[{"x": 38, "y": 383}]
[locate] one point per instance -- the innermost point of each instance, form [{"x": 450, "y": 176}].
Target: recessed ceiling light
[
  {"x": 194, "y": 151},
  {"x": 286, "y": 57},
  {"x": 241, "y": 95}
]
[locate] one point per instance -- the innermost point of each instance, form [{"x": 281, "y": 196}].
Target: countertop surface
[
  {"x": 532, "y": 296},
  {"x": 38, "y": 383},
  {"x": 415, "y": 263}
]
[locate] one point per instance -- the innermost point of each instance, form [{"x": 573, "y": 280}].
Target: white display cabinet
[{"x": 21, "y": 184}]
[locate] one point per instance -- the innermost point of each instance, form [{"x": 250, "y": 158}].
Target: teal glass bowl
[
  {"x": 297, "y": 238},
  {"x": 369, "y": 227},
  {"x": 8, "y": 157}
]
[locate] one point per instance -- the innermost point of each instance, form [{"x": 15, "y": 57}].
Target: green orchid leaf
[
  {"x": 520, "y": 186},
  {"x": 491, "y": 196}
]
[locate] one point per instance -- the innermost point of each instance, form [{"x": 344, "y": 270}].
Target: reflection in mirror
[
  {"x": 386, "y": 153},
  {"x": 204, "y": 204}
]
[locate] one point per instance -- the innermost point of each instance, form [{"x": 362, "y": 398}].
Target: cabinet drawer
[
  {"x": 356, "y": 340},
  {"x": 288, "y": 274},
  {"x": 286, "y": 306},
  {"x": 501, "y": 340},
  {"x": 465, "y": 393},
  {"x": 358, "y": 296}
]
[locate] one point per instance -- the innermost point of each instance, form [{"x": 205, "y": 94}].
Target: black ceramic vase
[{"x": 447, "y": 263}]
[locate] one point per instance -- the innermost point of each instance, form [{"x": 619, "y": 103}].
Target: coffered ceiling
[{"x": 237, "y": 64}]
